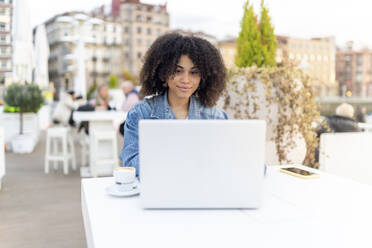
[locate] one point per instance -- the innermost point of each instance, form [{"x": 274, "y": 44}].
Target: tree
[
  {"x": 249, "y": 48},
  {"x": 268, "y": 38},
  {"x": 113, "y": 82},
  {"x": 26, "y": 97}
]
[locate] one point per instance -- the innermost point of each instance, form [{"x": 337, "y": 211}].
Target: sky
[{"x": 344, "y": 19}]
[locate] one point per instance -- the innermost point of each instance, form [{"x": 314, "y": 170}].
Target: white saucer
[{"x": 114, "y": 191}]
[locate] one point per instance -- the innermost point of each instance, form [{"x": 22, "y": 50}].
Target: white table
[
  {"x": 98, "y": 121},
  {"x": 324, "y": 212},
  {"x": 367, "y": 127}
]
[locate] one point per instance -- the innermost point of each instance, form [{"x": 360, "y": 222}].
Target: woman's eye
[
  {"x": 194, "y": 72},
  {"x": 178, "y": 71}
]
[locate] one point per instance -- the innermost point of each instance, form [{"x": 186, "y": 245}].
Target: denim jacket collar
[{"x": 162, "y": 110}]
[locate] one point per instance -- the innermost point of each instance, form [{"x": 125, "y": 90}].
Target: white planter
[
  {"x": 23, "y": 143},
  {"x": 10, "y": 122},
  {"x": 44, "y": 117}
]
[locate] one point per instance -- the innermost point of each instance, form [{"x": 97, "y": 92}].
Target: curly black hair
[{"x": 162, "y": 57}]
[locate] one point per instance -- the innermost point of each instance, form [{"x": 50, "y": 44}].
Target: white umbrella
[
  {"x": 41, "y": 57},
  {"x": 80, "y": 78},
  {"x": 22, "y": 42}
]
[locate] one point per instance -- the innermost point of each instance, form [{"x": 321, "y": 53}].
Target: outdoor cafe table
[
  {"x": 98, "y": 121},
  {"x": 326, "y": 212}
]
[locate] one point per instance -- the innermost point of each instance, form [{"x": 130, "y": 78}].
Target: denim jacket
[{"x": 157, "y": 107}]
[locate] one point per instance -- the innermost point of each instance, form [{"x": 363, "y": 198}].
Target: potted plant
[
  {"x": 282, "y": 96},
  {"x": 24, "y": 99}
]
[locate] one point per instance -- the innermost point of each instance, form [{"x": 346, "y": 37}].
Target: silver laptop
[{"x": 201, "y": 163}]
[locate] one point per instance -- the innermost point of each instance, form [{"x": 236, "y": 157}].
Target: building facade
[
  {"x": 102, "y": 49},
  {"x": 354, "y": 71},
  {"x": 316, "y": 57},
  {"x": 228, "y": 52},
  {"x": 141, "y": 24},
  {"x": 6, "y": 11}
]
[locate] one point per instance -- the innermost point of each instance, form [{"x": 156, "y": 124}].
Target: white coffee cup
[{"x": 125, "y": 178}]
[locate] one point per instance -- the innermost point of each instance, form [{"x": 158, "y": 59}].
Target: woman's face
[
  {"x": 185, "y": 81},
  {"x": 103, "y": 92}
]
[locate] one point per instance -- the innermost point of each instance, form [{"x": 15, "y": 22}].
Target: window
[
  {"x": 104, "y": 28},
  {"x": 3, "y": 50},
  {"x": 2, "y": 11},
  {"x": 2, "y": 26},
  {"x": 127, "y": 42},
  {"x": 126, "y": 29},
  {"x": 114, "y": 29},
  {"x": 3, "y": 64},
  {"x": 139, "y": 42},
  {"x": 139, "y": 55},
  {"x": 358, "y": 78},
  {"x": 139, "y": 18},
  {"x": 2, "y": 38},
  {"x": 359, "y": 59},
  {"x": 126, "y": 55},
  {"x": 149, "y": 31},
  {"x": 139, "y": 30}
]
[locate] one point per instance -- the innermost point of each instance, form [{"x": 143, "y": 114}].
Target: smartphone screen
[{"x": 299, "y": 171}]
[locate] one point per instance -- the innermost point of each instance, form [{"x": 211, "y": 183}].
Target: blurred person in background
[
  {"x": 342, "y": 121},
  {"x": 360, "y": 114},
  {"x": 62, "y": 113},
  {"x": 102, "y": 101},
  {"x": 131, "y": 95},
  {"x": 131, "y": 98}
]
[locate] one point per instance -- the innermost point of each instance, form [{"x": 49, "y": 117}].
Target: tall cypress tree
[
  {"x": 268, "y": 38},
  {"x": 249, "y": 48}
]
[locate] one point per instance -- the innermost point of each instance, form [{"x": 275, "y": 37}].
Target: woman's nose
[{"x": 185, "y": 77}]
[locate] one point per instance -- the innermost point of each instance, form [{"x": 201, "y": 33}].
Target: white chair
[
  {"x": 347, "y": 155},
  {"x": 83, "y": 140},
  {"x": 59, "y": 136},
  {"x": 104, "y": 152}
]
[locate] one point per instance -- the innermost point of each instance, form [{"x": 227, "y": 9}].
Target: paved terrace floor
[{"x": 39, "y": 210}]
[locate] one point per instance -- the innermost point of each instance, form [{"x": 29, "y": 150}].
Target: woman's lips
[{"x": 183, "y": 89}]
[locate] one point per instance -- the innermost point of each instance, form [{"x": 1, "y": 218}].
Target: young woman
[{"x": 185, "y": 76}]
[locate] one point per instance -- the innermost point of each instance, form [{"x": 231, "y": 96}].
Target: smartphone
[{"x": 299, "y": 172}]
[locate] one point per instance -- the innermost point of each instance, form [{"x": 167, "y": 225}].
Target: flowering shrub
[{"x": 282, "y": 96}]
